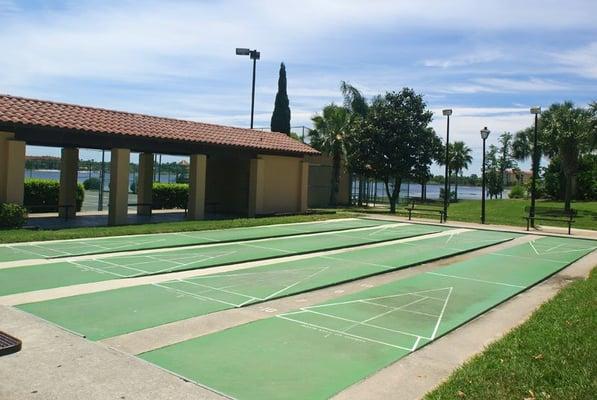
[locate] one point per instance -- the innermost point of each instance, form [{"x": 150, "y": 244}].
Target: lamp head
[
  {"x": 536, "y": 110},
  {"x": 242, "y": 51},
  {"x": 484, "y": 133},
  {"x": 447, "y": 112}
]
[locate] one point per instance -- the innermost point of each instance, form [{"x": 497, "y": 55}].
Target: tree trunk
[
  {"x": 569, "y": 191},
  {"x": 456, "y": 188},
  {"x": 394, "y": 195}
]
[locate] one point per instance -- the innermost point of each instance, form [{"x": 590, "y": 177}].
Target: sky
[{"x": 488, "y": 60}]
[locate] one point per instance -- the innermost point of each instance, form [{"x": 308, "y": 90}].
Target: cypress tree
[{"x": 281, "y": 115}]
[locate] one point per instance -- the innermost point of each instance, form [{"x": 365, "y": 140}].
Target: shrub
[
  {"x": 41, "y": 195},
  {"x": 133, "y": 187},
  {"x": 91, "y": 184},
  {"x": 517, "y": 192},
  {"x": 12, "y": 215},
  {"x": 170, "y": 195}
]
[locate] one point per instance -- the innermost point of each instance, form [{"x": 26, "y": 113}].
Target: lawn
[
  {"x": 511, "y": 212},
  {"x": 25, "y": 235},
  {"x": 551, "y": 356}
]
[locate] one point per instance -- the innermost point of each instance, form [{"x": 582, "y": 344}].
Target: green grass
[
  {"x": 551, "y": 356},
  {"x": 24, "y": 235},
  {"x": 511, "y": 212}
]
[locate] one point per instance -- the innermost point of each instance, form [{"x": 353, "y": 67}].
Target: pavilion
[{"x": 243, "y": 171}]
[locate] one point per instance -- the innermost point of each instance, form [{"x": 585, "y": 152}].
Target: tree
[
  {"x": 357, "y": 105},
  {"x": 386, "y": 142},
  {"x": 460, "y": 160},
  {"x": 281, "y": 115},
  {"x": 505, "y": 160},
  {"x": 492, "y": 173},
  {"x": 328, "y": 137},
  {"x": 570, "y": 135},
  {"x": 421, "y": 171}
]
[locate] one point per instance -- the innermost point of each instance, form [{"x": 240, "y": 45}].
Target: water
[{"x": 433, "y": 191}]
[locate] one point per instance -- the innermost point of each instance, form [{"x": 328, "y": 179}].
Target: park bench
[
  {"x": 550, "y": 214},
  {"x": 420, "y": 208},
  {"x": 8, "y": 344}
]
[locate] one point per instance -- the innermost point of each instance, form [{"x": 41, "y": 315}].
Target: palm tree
[
  {"x": 328, "y": 137},
  {"x": 570, "y": 134},
  {"x": 460, "y": 160},
  {"x": 505, "y": 161}
]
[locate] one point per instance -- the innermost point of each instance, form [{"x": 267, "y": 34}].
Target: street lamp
[
  {"x": 254, "y": 55},
  {"x": 447, "y": 113},
  {"x": 484, "y": 136},
  {"x": 536, "y": 111}
]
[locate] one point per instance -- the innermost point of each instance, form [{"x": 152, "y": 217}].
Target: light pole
[
  {"x": 484, "y": 136},
  {"x": 254, "y": 55},
  {"x": 536, "y": 111},
  {"x": 447, "y": 113}
]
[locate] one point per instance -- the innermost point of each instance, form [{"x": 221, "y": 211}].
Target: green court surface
[
  {"x": 105, "y": 267},
  {"x": 317, "y": 351},
  {"x": 76, "y": 247},
  {"x": 115, "y": 312}
]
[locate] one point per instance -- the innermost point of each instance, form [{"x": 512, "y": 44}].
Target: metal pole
[
  {"x": 100, "y": 202},
  {"x": 253, "y": 91},
  {"x": 446, "y": 178},
  {"x": 534, "y": 179},
  {"x": 483, "y": 188}
]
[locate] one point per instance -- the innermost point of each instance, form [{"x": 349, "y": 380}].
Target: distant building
[{"x": 515, "y": 176}]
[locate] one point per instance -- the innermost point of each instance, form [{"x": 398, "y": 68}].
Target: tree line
[{"x": 389, "y": 139}]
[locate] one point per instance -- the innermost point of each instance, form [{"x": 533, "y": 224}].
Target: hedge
[
  {"x": 12, "y": 215},
  {"x": 170, "y": 195},
  {"x": 92, "y": 183},
  {"x": 41, "y": 195}
]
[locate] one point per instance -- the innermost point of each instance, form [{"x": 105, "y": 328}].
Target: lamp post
[
  {"x": 536, "y": 111},
  {"x": 254, "y": 55},
  {"x": 484, "y": 136},
  {"x": 447, "y": 113}
]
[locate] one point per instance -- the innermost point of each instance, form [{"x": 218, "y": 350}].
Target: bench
[
  {"x": 550, "y": 214},
  {"x": 416, "y": 208}
]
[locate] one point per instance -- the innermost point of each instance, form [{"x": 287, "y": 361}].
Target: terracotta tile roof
[{"x": 19, "y": 110}]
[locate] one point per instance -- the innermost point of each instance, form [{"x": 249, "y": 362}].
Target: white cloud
[
  {"x": 506, "y": 85},
  {"x": 582, "y": 61},
  {"x": 477, "y": 57}
]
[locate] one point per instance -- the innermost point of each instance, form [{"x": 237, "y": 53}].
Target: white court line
[
  {"x": 98, "y": 271},
  {"x": 344, "y": 333},
  {"x": 365, "y": 322},
  {"x": 384, "y": 297},
  {"x": 410, "y": 311},
  {"x": 198, "y": 296},
  {"x": 296, "y": 283},
  {"x": 476, "y": 280},
  {"x": 441, "y": 314},
  {"x": 533, "y": 247},
  {"x": 307, "y": 309},
  {"x": 267, "y": 248},
  {"x": 528, "y": 257},
  {"x": 222, "y": 290}
]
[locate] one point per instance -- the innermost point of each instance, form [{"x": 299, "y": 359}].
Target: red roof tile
[{"x": 19, "y": 110}]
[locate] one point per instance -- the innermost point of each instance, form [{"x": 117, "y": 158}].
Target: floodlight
[
  {"x": 447, "y": 112},
  {"x": 242, "y": 51},
  {"x": 536, "y": 110},
  {"x": 484, "y": 133}
]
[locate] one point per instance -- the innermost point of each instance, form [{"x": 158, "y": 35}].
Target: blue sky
[{"x": 488, "y": 60}]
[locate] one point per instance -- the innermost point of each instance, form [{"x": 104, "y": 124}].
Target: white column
[
  {"x": 197, "y": 177},
  {"x": 119, "y": 186}
]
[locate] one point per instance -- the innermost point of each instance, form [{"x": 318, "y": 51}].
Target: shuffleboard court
[
  {"x": 116, "y": 312},
  {"x": 317, "y": 351},
  {"x": 76, "y": 247},
  {"x": 99, "y": 268}
]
